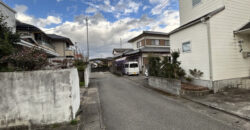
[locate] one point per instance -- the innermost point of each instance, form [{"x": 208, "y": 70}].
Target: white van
[{"x": 131, "y": 68}]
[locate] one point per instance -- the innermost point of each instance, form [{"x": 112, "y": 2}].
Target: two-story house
[
  {"x": 214, "y": 37},
  {"x": 9, "y": 15},
  {"x": 63, "y": 45},
  {"x": 31, "y": 36},
  {"x": 147, "y": 44}
]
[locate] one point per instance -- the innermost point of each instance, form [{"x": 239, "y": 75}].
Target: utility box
[{"x": 246, "y": 54}]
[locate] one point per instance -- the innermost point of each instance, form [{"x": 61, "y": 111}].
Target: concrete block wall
[
  {"x": 38, "y": 97},
  {"x": 172, "y": 86},
  {"x": 243, "y": 83}
]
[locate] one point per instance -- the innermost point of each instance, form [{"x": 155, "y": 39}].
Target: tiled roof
[{"x": 57, "y": 37}]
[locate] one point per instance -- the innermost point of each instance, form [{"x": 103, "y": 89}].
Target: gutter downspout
[{"x": 207, "y": 22}]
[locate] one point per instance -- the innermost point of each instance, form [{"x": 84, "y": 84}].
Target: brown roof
[
  {"x": 122, "y": 50},
  {"x": 149, "y": 33}
]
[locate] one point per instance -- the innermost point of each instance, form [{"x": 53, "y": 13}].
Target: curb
[
  {"x": 218, "y": 108},
  {"x": 100, "y": 111}
]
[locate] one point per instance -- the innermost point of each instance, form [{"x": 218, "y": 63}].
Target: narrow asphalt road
[{"x": 128, "y": 106}]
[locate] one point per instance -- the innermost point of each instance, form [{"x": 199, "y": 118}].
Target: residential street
[{"x": 128, "y": 106}]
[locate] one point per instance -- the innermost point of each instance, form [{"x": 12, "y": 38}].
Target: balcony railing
[{"x": 47, "y": 45}]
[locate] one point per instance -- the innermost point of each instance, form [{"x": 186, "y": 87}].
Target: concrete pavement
[{"x": 128, "y": 106}]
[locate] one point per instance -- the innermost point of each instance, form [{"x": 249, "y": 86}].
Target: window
[
  {"x": 167, "y": 43},
  {"x": 134, "y": 65},
  {"x": 139, "y": 44},
  {"x": 155, "y": 42},
  {"x": 195, "y": 2},
  {"x": 126, "y": 65},
  {"x": 186, "y": 47}
]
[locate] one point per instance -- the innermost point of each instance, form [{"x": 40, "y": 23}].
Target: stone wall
[
  {"x": 38, "y": 97},
  {"x": 172, "y": 86}
]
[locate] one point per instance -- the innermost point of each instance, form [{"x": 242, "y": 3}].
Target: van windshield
[{"x": 134, "y": 65}]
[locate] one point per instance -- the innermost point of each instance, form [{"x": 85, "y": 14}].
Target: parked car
[{"x": 131, "y": 68}]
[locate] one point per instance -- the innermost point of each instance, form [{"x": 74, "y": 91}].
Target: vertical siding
[
  {"x": 189, "y": 13},
  {"x": 11, "y": 20},
  {"x": 198, "y": 57},
  {"x": 227, "y": 60}
]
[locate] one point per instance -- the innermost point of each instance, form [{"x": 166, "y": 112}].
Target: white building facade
[
  {"x": 209, "y": 39},
  {"x": 9, "y": 15}
]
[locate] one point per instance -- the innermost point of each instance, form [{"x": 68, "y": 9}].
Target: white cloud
[
  {"x": 160, "y": 5},
  {"x": 91, "y": 10},
  {"x": 145, "y": 7},
  {"x": 40, "y": 22},
  {"x": 105, "y": 35},
  {"x": 122, "y": 8}
]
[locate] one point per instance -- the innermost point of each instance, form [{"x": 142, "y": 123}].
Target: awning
[{"x": 243, "y": 30}]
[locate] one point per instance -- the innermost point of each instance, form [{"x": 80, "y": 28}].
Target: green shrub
[
  {"x": 80, "y": 65},
  {"x": 26, "y": 59},
  {"x": 189, "y": 79},
  {"x": 154, "y": 66},
  {"x": 172, "y": 69},
  {"x": 73, "y": 122},
  {"x": 82, "y": 84},
  {"x": 196, "y": 73}
]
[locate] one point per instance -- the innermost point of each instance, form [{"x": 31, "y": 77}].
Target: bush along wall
[
  {"x": 166, "y": 68},
  {"x": 80, "y": 65}
]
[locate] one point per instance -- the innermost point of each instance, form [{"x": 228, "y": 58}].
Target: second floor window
[
  {"x": 167, "y": 43},
  {"x": 155, "y": 42},
  {"x": 186, "y": 47},
  {"x": 196, "y": 2}
]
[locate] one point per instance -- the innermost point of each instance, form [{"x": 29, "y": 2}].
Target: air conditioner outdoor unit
[{"x": 246, "y": 54}]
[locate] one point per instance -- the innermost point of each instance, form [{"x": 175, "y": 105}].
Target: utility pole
[
  {"x": 87, "y": 38},
  {"x": 121, "y": 42}
]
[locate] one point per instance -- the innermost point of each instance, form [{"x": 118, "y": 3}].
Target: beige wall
[
  {"x": 189, "y": 13},
  {"x": 60, "y": 47},
  {"x": 228, "y": 61}
]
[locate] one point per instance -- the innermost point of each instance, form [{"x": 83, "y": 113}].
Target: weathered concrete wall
[
  {"x": 231, "y": 83},
  {"x": 38, "y": 97},
  {"x": 172, "y": 86},
  {"x": 87, "y": 75}
]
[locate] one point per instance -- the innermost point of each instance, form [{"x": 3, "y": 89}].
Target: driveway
[{"x": 128, "y": 106}]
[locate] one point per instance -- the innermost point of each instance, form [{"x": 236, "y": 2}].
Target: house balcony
[
  {"x": 69, "y": 53},
  {"x": 47, "y": 45}
]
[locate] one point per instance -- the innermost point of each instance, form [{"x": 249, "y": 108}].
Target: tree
[
  {"x": 7, "y": 38},
  {"x": 154, "y": 66},
  {"x": 172, "y": 69}
]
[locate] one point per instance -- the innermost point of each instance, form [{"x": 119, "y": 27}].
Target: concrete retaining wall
[
  {"x": 38, "y": 97},
  {"x": 231, "y": 83},
  {"x": 172, "y": 86},
  {"x": 87, "y": 75}
]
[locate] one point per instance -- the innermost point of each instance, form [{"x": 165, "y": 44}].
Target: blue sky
[{"x": 110, "y": 20}]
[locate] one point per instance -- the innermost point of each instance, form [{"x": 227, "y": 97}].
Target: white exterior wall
[
  {"x": 198, "y": 57},
  {"x": 10, "y": 14},
  {"x": 227, "y": 60},
  {"x": 189, "y": 13}
]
